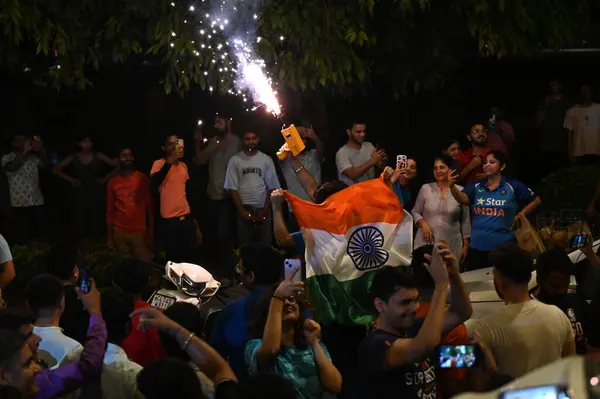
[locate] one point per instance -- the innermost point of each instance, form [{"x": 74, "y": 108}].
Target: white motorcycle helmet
[{"x": 193, "y": 280}]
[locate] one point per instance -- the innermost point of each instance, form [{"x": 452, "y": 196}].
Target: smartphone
[
  {"x": 84, "y": 280},
  {"x": 290, "y": 266},
  {"x": 579, "y": 241},
  {"x": 539, "y": 392},
  {"x": 458, "y": 356},
  {"x": 179, "y": 143},
  {"x": 401, "y": 161}
]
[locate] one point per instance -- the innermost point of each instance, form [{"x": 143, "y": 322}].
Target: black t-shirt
[
  {"x": 584, "y": 320},
  {"x": 75, "y": 319},
  {"x": 376, "y": 381}
]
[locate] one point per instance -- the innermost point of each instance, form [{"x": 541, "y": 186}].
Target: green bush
[{"x": 30, "y": 261}]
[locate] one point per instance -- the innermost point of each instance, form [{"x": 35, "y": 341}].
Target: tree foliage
[{"x": 339, "y": 45}]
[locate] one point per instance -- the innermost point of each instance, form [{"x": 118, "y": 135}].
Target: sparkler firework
[{"x": 231, "y": 52}]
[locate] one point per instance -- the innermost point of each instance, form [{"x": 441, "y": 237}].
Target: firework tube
[{"x": 293, "y": 140}]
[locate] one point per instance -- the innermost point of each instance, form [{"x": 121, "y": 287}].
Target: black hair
[
  {"x": 61, "y": 260},
  {"x": 445, "y": 159},
  {"x": 187, "y": 316},
  {"x": 326, "y": 190},
  {"x": 420, "y": 273},
  {"x": 448, "y": 143},
  {"x": 169, "y": 378},
  {"x": 265, "y": 262},
  {"x": 44, "y": 292},
  {"x": 499, "y": 156},
  {"x": 132, "y": 276},
  {"x": 258, "y": 320},
  {"x": 555, "y": 260},
  {"x": 223, "y": 115},
  {"x": 355, "y": 121},
  {"x": 267, "y": 386},
  {"x": 514, "y": 263},
  {"x": 14, "y": 317},
  {"x": 11, "y": 343},
  {"x": 122, "y": 147},
  {"x": 251, "y": 132},
  {"x": 116, "y": 309},
  {"x": 389, "y": 280}
]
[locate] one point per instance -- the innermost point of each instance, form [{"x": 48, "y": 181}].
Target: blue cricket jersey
[{"x": 493, "y": 211}]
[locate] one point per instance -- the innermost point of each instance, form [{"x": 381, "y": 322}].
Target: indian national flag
[{"x": 352, "y": 234}]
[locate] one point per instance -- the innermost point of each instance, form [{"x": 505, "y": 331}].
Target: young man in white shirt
[
  {"x": 357, "y": 159},
  {"x": 525, "y": 334},
  {"x": 583, "y": 125},
  {"x": 45, "y": 297},
  {"x": 250, "y": 179}
]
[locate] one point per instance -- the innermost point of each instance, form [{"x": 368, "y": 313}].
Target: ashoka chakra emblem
[{"x": 365, "y": 248}]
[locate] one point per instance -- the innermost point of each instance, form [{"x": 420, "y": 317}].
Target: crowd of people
[{"x": 65, "y": 341}]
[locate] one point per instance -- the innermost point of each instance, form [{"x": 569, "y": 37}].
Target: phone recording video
[
  {"x": 290, "y": 266},
  {"x": 539, "y": 392},
  {"x": 84, "y": 280},
  {"x": 401, "y": 162},
  {"x": 579, "y": 241},
  {"x": 458, "y": 356}
]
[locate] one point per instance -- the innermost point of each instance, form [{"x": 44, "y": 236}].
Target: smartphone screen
[
  {"x": 541, "y": 392},
  {"x": 290, "y": 266},
  {"x": 84, "y": 280},
  {"x": 458, "y": 356},
  {"x": 579, "y": 241}
]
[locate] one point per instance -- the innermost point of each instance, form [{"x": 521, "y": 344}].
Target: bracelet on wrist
[{"x": 187, "y": 341}]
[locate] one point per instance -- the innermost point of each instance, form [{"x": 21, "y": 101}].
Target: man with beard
[
  {"x": 356, "y": 160},
  {"x": 250, "y": 179},
  {"x": 471, "y": 160},
  {"x": 394, "y": 359},
  {"x": 217, "y": 151},
  {"x": 310, "y": 160},
  {"x": 554, "y": 269},
  {"x": 129, "y": 215}
]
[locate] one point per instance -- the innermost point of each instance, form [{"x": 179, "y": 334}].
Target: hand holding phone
[
  {"x": 579, "y": 241},
  {"x": 290, "y": 266},
  {"x": 84, "y": 280}
]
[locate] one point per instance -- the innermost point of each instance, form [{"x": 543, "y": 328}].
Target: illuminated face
[
  {"x": 440, "y": 170},
  {"x": 251, "y": 141},
  {"x": 491, "y": 166},
  {"x": 400, "y": 310},
  {"x": 357, "y": 133},
  {"x": 291, "y": 310},
  {"x": 478, "y": 135},
  {"x": 411, "y": 166},
  {"x": 453, "y": 150}
]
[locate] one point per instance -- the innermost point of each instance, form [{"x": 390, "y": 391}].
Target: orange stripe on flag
[{"x": 369, "y": 202}]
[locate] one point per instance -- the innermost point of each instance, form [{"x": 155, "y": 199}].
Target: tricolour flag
[{"x": 348, "y": 237}]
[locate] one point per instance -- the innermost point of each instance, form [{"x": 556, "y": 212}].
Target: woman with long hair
[
  {"x": 88, "y": 181},
  {"x": 288, "y": 344},
  {"x": 438, "y": 215},
  {"x": 496, "y": 203}
]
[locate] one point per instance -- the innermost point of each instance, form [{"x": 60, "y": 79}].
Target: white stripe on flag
[{"x": 327, "y": 253}]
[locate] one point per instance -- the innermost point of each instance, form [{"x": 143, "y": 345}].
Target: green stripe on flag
[{"x": 343, "y": 302}]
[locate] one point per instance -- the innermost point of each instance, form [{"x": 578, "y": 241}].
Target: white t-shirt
[
  {"x": 312, "y": 165},
  {"x": 251, "y": 177},
  {"x": 585, "y": 124},
  {"x": 525, "y": 336},
  {"x": 347, "y": 157},
  {"x": 5, "y": 254},
  {"x": 56, "y": 349}
]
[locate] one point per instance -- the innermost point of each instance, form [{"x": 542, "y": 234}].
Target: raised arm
[
  {"x": 460, "y": 309},
  {"x": 282, "y": 236},
  {"x": 330, "y": 377},
  {"x": 405, "y": 351},
  {"x": 460, "y": 196}
]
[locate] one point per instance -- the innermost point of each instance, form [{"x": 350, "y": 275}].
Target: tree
[{"x": 340, "y": 46}]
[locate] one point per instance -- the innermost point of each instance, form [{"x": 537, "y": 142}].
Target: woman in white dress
[{"x": 438, "y": 215}]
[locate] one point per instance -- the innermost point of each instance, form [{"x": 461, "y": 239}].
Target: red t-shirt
[
  {"x": 127, "y": 201},
  {"x": 465, "y": 158},
  {"x": 143, "y": 347}
]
